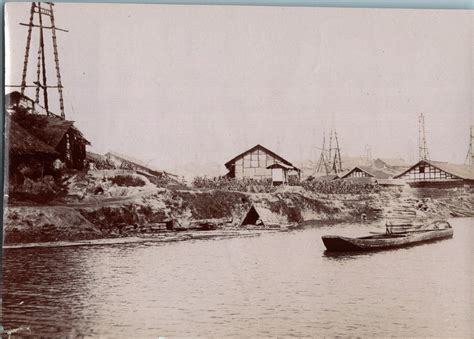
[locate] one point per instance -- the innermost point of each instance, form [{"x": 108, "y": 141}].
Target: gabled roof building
[
  {"x": 437, "y": 173},
  {"x": 59, "y": 134},
  {"x": 390, "y": 163},
  {"x": 259, "y": 162},
  {"x": 369, "y": 172}
]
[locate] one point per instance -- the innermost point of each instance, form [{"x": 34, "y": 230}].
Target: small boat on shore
[{"x": 437, "y": 230}]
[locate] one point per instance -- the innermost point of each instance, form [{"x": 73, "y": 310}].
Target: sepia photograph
[{"x": 237, "y": 171}]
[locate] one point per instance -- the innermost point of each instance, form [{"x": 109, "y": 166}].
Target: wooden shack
[
  {"x": 259, "y": 163},
  {"x": 50, "y": 128},
  {"x": 65, "y": 138}
]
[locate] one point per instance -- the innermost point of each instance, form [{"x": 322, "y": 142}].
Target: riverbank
[{"x": 164, "y": 214}]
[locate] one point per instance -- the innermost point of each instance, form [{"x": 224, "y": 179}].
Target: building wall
[
  {"x": 358, "y": 174},
  {"x": 72, "y": 151},
  {"x": 254, "y": 165},
  {"x": 428, "y": 173}
]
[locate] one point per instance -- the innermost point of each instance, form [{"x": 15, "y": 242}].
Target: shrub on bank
[
  {"x": 209, "y": 205},
  {"x": 228, "y": 184},
  {"x": 341, "y": 187}
]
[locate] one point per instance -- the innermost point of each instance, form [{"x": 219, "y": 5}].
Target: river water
[{"x": 278, "y": 284}]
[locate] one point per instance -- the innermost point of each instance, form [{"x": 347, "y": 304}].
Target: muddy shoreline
[
  {"x": 88, "y": 224},
  {"x": 156, "y": 238}
]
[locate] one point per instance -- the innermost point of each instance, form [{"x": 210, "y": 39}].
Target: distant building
[
  {"x": 260, "y": 163},
  {"x": 368, "y": 172},
  {"x": 123, "y": 161},
  {"x": 438, "y": 174},
  {"x": 391, "y": 163}
]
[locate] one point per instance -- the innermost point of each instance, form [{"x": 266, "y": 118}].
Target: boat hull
[{"x": 335, "y": 243}]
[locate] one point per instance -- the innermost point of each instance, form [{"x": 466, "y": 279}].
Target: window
[{"x": 422, "y": 169}]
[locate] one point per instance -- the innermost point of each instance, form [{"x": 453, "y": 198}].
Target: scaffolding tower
[
  {"x": 330, "y": 160},
  {"x": 322, "y": 164},
  {"x": 38, "y": 11}
]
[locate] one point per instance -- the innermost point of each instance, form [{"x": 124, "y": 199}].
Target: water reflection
[{"x": 277, "y": 284}]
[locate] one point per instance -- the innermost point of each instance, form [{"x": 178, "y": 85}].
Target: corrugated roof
[{"x": 461, "y": 171}]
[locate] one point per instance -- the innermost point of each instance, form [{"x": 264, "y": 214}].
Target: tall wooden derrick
[
  {"x": 330, "y": 160},
  {"x": 336, "y": 165},
  {"x": 322, "y": 164},
  {"x": 423, "y": 153},
  {"x": 38, "y": 12}
]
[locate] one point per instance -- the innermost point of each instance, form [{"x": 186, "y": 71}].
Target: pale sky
[{"x": 175, "y": 84}]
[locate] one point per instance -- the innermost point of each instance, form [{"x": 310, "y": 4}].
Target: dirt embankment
[
  {"x": 39, "y": 224},
  {"x": 115, "y": 218}
]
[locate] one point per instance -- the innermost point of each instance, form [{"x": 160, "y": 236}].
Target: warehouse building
[
  {"x": 428, "y": 173},
  {"x": 260, "y": 163}
]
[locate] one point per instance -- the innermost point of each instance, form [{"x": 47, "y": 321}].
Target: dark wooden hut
[
  {"x": 63, "y": 137},
  {"x": 26, "y": 151},
  {"x": 59, "y": 134}
]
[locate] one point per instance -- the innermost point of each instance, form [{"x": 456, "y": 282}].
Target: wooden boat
[{"x": 436, "y": 231}]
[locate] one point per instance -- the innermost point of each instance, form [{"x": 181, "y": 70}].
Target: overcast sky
[{"x": 175, "y": 84}]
